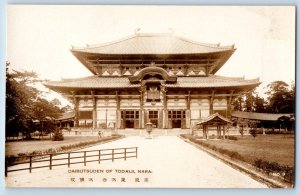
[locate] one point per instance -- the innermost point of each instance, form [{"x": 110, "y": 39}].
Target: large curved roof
[
  {"x": 154, "y": 44},
  {"x": 96, "y": 82}
]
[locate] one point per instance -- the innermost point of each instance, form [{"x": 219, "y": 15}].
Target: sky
[{"x": 39, "y": 37}]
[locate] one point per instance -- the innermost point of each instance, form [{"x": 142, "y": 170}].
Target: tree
[
  {"x": 238, "y": 103},
  {"x": 253, "y": 127},
  {"x": 24, "y": 103},
  {"x": 259, "y": 104},
  {"x": 280, "y": 98},
  {"x": 242, "y": 124},
  {"x": 66, "y": 108},
  {"x": 46, "y": 112},
  {"x": 19, "y": 99},
  {"x": 249, "y": 101},
  {"x": 253, "y": 132}
]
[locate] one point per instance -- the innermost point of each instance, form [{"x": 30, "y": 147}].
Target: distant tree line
[
  {"x": 26, "y": 109},
  {"x": 280, "y": 99}
]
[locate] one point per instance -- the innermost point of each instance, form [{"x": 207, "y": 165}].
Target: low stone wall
[
  {"x": 230, "y": 131},
  {"x": 126, "y": 132},
  {"x": 143, "y": 132},
  {"x": 87, "y": 132}
]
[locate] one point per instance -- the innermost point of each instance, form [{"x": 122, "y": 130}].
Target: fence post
[
  {"x": 69, "y": 160},
  {"x": 112, "y": 154},
  {"x": 84, "y": 158},
  {"x": 136, "y": 152},
  {"x": 50, "y": 165},
  {"x": 99, "y": 156},
  {"x": 125, "y": 153},
  {"x": 6, "y": 164},
  {"x": 30, "y": 163}
]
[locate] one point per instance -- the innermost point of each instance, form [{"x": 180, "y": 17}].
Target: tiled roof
[
  {"x": 92, "y": 82},
  {"x": 212, "y": 117},
  {"x": 259, "y": 116},
  {"x": 123, "y": 82},
  {"x": 66, "y": 115},
  {"x": 154, "y": 44},
  {"x": 212, "y": 81}
]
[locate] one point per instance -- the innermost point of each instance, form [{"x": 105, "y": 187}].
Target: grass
[
  {"x": 273, "y": 148},
  {"x": 19, "y": 147},
  {"x": 273, "y": 154}
]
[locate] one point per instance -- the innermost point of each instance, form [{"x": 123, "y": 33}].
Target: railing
[{"x": 67, "y": 158}]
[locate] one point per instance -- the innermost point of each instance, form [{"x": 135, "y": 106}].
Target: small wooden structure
[{"x": 214, "y": 120}]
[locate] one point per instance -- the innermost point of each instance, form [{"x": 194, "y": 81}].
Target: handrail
[{"x": 126, "y": 153}]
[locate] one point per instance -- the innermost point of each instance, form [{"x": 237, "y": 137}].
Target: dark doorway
[
  {"x": 129, "y": 124},
  {"x": 153, "y": 117},
  {"x": 130, "y": 119},
  {"x": 176, "y": 123},
  {"x": 176, "y": 119}
]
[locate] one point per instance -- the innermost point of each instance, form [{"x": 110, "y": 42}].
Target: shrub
[
  {"x": 253, "y": 132},
  {"x": 57, "y": 136},
  {"x": 50, "y": 150},
  {"x": 231, "y": 137},
  {"x": 22, "y": 154},
  {"x": 36, "y": 152},
  {"x": 279, "y": 132},
  {"x": 288, "y": 173},
  {"x": 242, "y": 131}
]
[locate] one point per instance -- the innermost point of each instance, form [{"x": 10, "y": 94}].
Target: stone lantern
[{"x": 149, "y": 126}]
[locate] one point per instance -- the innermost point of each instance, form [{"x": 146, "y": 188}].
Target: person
[{"x": 99, "y": 134}]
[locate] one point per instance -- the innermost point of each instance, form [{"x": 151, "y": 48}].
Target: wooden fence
[{"x": 67, "y": 158}]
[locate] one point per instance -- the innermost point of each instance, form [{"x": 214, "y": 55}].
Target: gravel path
[{"x": 165, "y": 161}]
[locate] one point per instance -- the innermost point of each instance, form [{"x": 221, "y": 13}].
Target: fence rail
[{"x": 67, "y": 158}]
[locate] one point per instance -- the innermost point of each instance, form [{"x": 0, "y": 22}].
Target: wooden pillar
[
  {"x": 188, "y": 111},
  {"x": 223, "y": 131},
  {"x": 229, "y": 100},
  {"x": 207, "y": 132},
  {"x": 204, "y": 131},
  {"x": 76, "y": 117},
  {"x": 118, "y": 112},
  {"x": 211, "y": 103},
  {"x": 165, "y": 109},
  {"x": 94, "y": 110},
  {"x": 142, "y": 111}
]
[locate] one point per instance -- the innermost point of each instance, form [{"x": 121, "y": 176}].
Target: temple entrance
[
  {"x": 176, "y": 124},
  {"x": 153, "y": 117},
  {"x": 130, "y": 119},
  {"x": 129, "y": 123},
  {"x": 176, "y": 119}
]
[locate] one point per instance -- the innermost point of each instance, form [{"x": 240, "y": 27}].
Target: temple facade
[{"x": 160, "y": 78}]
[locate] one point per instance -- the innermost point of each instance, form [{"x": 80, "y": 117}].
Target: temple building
[{"x": 160, "y": 78}]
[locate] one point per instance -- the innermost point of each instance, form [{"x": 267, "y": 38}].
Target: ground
[
  {"x": 168, "y": 161},
  {"x": 16, "y": 147}
]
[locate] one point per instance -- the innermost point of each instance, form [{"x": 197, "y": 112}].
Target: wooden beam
[{"x": 104, "y": 96}]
